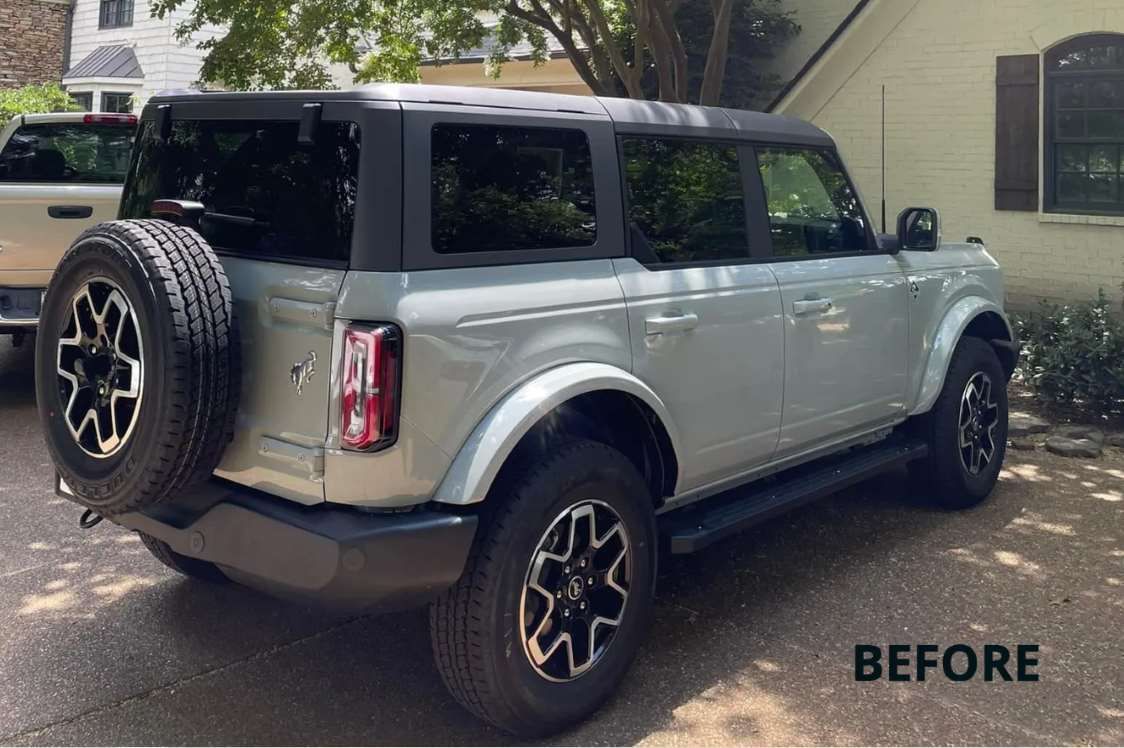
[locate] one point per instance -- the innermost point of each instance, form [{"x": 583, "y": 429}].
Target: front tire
[
  {"x": 557, "y": 593},
  {"x": 966, "y": 429}
]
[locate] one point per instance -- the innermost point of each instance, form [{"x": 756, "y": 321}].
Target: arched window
[{"x": 1085, "y": 125}]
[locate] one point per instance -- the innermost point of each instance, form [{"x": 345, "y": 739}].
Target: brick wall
[
  {"x": 937, "y": 59},
  {"x": 32, "y": 35}
]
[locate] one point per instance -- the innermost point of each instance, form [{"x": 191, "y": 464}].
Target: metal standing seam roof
[{"x": 113, "y": 61}]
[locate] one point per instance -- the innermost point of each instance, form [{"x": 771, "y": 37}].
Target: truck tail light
[
  {"x": 372, "y": 363},
  {"x": 110, "y": 119}
]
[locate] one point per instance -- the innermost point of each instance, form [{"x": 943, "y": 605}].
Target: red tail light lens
[
  {"x": 110, "y": 119},
  {"x": 371, "y": 379}
]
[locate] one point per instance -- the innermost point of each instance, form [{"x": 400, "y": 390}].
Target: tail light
[
  {"x": 110, "y": 119},
  {"x": 372, "y": 362}
]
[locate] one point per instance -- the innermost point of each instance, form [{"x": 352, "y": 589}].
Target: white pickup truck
[{"x": 59, "y": 175}]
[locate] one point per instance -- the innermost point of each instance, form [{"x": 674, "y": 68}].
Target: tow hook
[{"x": 89, "y": 519}]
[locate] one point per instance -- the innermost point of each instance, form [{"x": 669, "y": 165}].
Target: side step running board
[{"x": 695, "y": 527}]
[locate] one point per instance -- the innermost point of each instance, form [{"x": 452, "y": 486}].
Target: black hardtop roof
[{"x": 628, "y": 115}]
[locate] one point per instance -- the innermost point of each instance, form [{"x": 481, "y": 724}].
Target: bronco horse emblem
[{"x": 303, "y": 371}]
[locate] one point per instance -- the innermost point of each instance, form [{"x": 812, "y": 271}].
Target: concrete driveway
[{"x": 751, "y": 644}]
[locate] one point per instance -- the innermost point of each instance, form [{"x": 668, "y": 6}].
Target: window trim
[
  {"x": 418, "y": 118},
  {"x": 754, "y": 245},
  {"x": 119, "y": 21},
  {"x": 874, "y": 248},
  {"x": 1050, "y": 81}
]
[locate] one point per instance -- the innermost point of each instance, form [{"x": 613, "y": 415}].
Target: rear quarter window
[
  {"x": 67, "y": 153},
  {"x": 508, "y": 188},
  {"x": 265, "y": 195}
]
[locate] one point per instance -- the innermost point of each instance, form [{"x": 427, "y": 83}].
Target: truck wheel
[
  {"x": 189, "y": 567},
  {"x": 557, "y": 593},
  {"x": 137, "y": 364},
  {"x": 966, "y": 429}
]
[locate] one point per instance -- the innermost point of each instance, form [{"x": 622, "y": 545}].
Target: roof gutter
[{"x": 817, "y": 55}]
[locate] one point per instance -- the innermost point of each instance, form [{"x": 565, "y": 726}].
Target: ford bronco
[
  {"x": 59, "y": 174},
  {"x": 492, "y": 350}
]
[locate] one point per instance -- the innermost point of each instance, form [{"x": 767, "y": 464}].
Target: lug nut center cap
[{"x": 575, "y": 588}]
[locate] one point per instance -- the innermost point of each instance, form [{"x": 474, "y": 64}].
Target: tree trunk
[{"x": 716, "y": 55}]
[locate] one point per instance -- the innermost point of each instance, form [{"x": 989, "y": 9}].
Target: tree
[
  {"x": 33, "y": 99},
  {"x": 671, "y": 50}
]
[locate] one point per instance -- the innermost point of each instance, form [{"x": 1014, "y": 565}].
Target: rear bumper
[{"x": 327, "y": 553}]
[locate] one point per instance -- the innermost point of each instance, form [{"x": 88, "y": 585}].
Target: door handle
[
  {"x": 811, "y": 306},
  {"x": 670, "y": 324},
  {"x": 70, "y": 211}
]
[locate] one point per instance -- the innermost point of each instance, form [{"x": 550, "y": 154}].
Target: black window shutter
[{"x": 1016, "y": 132}]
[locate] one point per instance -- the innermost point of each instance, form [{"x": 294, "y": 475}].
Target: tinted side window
[
  {"x": 67, "y": 153},
  {"x": 264, "y": 194},
  {"x": 685, "y": 201},
  {"x": 812, "y": 207},
  {"x": 511, "y": 188}
]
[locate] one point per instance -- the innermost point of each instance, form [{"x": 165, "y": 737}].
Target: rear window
[
  {"x": 501, "y": 188},
  {"x": 67, "y": 152},
  {"x": 265, "y": 195}
]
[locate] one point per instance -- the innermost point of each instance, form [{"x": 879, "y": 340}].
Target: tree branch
[
  {"x": 716, "y": 55},
  {"x": 579, "y": 61},
  {"x": 629, "y": 76}
]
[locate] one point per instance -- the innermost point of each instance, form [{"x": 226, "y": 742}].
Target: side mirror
[{"x": 919, "y": 229}]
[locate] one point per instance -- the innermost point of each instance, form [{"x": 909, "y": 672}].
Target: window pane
[
  {"x": 812, "y": 208},
  {"x": 264, "y": 194},
  {"x": 1072, "y": 188},
  {"x": 1071, "y": 94},
  {"x": 119, "y": 103},
  {"x": 1106, "y": 94},
  {"x": 1073, "y": 157},
  {"x": 67, "y": 153},
  {"x": 1106, "y": 125},
  {"x": 1071, "y": 124},
  {"x": 511, "y": 188},
  {"x": 685, "y": 201},
  {"x": 1102, "y": 158},
  {"x": 1102, "y": 188}
]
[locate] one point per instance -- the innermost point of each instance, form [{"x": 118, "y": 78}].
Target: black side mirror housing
[{"x": 919, "y": 229}]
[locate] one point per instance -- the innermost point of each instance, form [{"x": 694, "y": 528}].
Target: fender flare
[
  {"x": 480, "y": 458},
  {"x": 956, "y": 319}
]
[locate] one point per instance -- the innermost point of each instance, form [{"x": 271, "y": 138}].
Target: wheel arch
[
  {"x": 972, "y": 316},
  {"x": 588, "y": 400}
]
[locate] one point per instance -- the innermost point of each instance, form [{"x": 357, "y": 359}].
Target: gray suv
[{"x": 493, "y": 350}]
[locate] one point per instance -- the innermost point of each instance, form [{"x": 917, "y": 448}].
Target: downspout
[{"x": 67, "y": 34}]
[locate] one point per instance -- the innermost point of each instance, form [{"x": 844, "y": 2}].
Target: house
[
  {"x": 32, "y": 41},
  {"x": 120, "y": 55},
  {"x": 1006, "y": 115}
]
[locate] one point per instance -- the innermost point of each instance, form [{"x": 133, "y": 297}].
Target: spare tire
[{"x": 137, "y": 364}]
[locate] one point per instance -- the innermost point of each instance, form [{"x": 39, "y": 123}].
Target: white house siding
[
  {"x": 167, "y": 64},
  {"x": 937, "y": 59}
]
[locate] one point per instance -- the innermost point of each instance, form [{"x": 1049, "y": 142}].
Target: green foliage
[
  {"x": 283, "y": 44},
  {"x": 48, "y": 97},
  {"x": 1073, "y": 355}
]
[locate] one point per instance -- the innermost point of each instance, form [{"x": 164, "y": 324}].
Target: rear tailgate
[{"x": 285, "y": 316}]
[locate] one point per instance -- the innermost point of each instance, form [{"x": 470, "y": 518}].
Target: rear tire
[
  {"x": 966, "y": 429},
  {"x": 488, "y": 630},
  {"x": 189, "y": 567}
]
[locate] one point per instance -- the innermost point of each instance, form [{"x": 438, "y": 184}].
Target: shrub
[
  {"x": 48, "y": 97},
  {"x": 1073, "y": 355}
]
